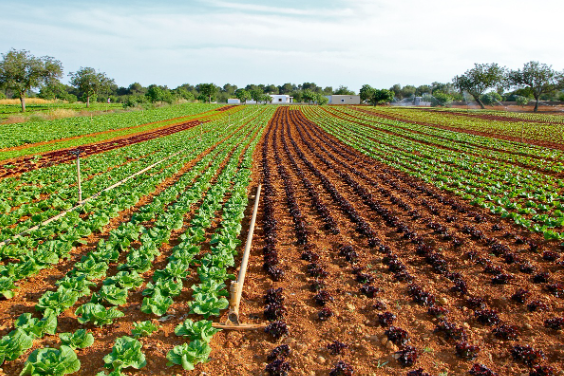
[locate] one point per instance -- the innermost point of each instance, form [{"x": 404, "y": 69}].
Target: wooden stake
[{"x": 236, "y": 289}]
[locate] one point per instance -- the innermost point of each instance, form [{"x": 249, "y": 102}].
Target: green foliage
[
  {"x": 157, "y": 304},
  {"x": 80, "y": 339},
  {"x": 143, "y": 329},
  {"x": 36, "y": 328},
  {"x": 441, "y": 99},
  {"x": 491, "y": 98},
  {"x": 20, "y": 72},
  {"x": 97, "y": 314},
  {"x": 243, "y": 95},
  {"x": 51, "y": 362},
  {"x": 207, "y": 91},
  {"x": 6, "y": 287},
  {"x": 477, "y": 80},
  {"x": 207, "y": 305},
  {"x": 126, "y": 353},
  {"x": 539, "y": 77},
  {"x": 200, "y": 330},
  {"x": 13, "y": 345},
  {"x": 188, "y": 355},
  {"x": 90, "y": 83},
  {"x": 343, "y": 90}
]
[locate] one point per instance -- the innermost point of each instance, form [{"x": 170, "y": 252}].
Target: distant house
[
  {"x": 344, "y": 99},
  {"x": 276, "y": 99},
  {"x": 281, "y": 99}
]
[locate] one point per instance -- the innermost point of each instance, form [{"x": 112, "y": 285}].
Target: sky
[{"x": 329, "y": 42}]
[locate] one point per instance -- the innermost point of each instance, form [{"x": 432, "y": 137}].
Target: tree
[
  {"x": 229, "y": 89},
  {"x": 343, "y": 90},
  {"x": 422, "y": 89},
  {"x": 328, "y": 90},
  {"x": 89, "y": 83},
  {"x": 297, "y": 95},
  {"x": 375, "y": 96},
  {"x": 491, "y": 98},
  {"x": 539, "y": 77},
  {"x": 441, "y": 99},
  {"x": 266, "y": 98},
  {"x": 271, "y": 89},
  {"x": 256, "y": 94},
  {"x": 366, "y": 92},
  {"x": 243, "y": 95},
  {"x": 477, "y": 80},
  {"x": 397, "y": 91},
  {"x": 408, "y": 91},
  {"x": 308, "y": 96},
  {"x": 207, "y": 91},
  {"x": 287, "y": 88},
  {"x": 21, "y": 72},
  {"x": 321, "y": 99}
]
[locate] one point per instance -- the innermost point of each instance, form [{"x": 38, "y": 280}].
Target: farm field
[{"x": 387, "y": 241}]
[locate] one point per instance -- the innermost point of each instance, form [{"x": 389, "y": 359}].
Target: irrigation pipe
[{"x": 81, "y": 203}]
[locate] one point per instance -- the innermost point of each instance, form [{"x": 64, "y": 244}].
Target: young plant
[
  {"x": 188, "y": 355},
  {"x": 51, "y": 362},
  {"x": 143, "y": 329},
  {"x": 126, "y": 353},
  {"x": 78, "y": 340}
]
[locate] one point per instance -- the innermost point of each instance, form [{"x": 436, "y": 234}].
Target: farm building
[
  {"x": 344, "y": 99},
  {"x": 276, "y": 99}
]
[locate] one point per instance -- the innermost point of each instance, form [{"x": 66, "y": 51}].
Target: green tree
[
  {"x": 229, "y": 89},
  {"x": 408, "y": 91},
  {"x": 136, "y": 88},
  {"x": 20, "y": 72},
  {"x": 441, "y": 99},
  {"x": 422, "y": 89},
  {"x": 287, "y": 88},
  {"x": 271, "y": 89},
  {"x": 477, "y": 80},
  {"x": 343, "y": 90},
  {"x": 321, "y": 99},
  {"x": 491, "y": 98},
  {"x": 522, "y": 101},
  {"x": 539, "y": 77},
  {"x": 308, "y": 96},
  {"x": 266, "y": 98},
  {"x": 90, "y": 83},
  {"x": 256, "y": 94},
  {"x": 207, "y": 91},
  {"x": 366, "y": 92},
  {"x": 297, "y": 95},
  {"x": 376, "y": 96},
  {"x": 243, "y": 95},
  {"x": 397, "y": 91}
]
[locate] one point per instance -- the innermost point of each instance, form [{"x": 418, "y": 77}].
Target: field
[{"x": 388, "y": 240}]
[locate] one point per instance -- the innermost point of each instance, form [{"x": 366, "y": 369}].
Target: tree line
[{"x": 23, "y": 75}]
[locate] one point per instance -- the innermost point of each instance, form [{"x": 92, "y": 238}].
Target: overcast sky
[{"x": 329, "y": 42}]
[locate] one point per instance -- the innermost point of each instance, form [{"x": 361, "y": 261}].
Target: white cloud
[{"x": 342, "y": 42}]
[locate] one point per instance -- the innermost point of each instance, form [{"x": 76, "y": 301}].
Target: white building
[
  {"x": 276, "y": 99},
  {"x": 344, "y": 99}
]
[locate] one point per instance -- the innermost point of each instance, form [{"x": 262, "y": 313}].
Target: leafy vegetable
[
  {"x": 77, "y": 340},
  {"x": 51, "y": 362},
  {"x": 201, "y": 330},
  {"x": 126, "y": 353},
  {"x": 188, "y": 355},
  {"x": 143, "y": 329},
  {"x": 97, "y": 314}
]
